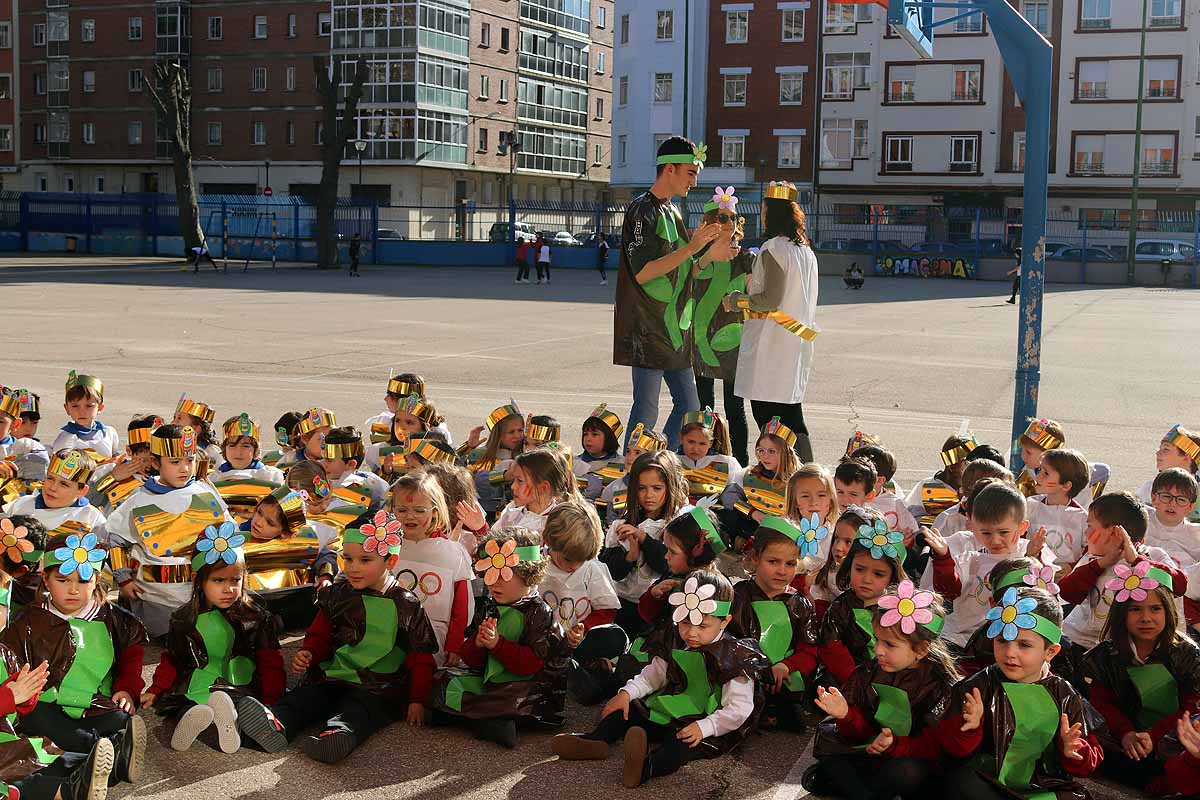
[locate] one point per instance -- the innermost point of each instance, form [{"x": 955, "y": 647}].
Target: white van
[{"x": 1158, "y": 250}]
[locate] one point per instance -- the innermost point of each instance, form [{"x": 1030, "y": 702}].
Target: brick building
[{"x": 8, "y": 95}]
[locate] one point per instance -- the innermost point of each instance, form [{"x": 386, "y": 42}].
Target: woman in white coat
[{"x": 776, "y": 352}]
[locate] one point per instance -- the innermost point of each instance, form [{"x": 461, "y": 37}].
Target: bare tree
[
  {"x": 171, "y": 93},
  {"x": 333, "y": 149}
]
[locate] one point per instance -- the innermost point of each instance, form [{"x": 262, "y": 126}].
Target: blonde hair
[
  {"x": 789, "y": 462},
  {"x": 426, "y": 484},
  {"x": 813, "y": 470},
  {"x": 573, "y": 529}
]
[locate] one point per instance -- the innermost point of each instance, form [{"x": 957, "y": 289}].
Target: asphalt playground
[{"x": 906, "y": 359}]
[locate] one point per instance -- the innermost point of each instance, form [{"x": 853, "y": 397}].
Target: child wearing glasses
[{"x": 1173, "y": 496}]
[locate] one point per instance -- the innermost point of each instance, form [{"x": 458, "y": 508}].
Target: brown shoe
[
  {"x": 635, "y": 757},
  {"x": 573, "y": 747}
]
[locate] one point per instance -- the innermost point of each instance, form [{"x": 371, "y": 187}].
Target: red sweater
[
  {"x": 599, "y": 616},
  {"x": 1106, "y": 702},
  {"x": 1074, "y": 588},
  {"x": 946, "y": 580},
  {"x": 318, "y": 640},
  {"x": 1181, "y": 776},
  {"x": 127, "y": 675},
  {"x": 837, "y": 659},
  {"x": 516, "y": 658},
  {"x": 272, "y": 678},
  {"x": 456, "y": 628}
]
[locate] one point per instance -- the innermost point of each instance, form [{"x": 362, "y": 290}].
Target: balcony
[
  {"x": 1158, "y": 167},
  {"x": 1174, "y": 21},
  {"x": 1096, "y": 91},
  {"x": 964, "y": 166},
  {"x": 1089, "y": 166},
  {"x": 1096, "y": 23},
  {"x": 965, "y": 97},
  {"x": 1160, "y": 92},
  {"x": 908, "y": 95},
  {"x": 898, "y": 166}
]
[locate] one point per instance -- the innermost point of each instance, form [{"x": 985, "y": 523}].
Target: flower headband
[
  {"x": 499, "y": 559},
  {"x": 699, "y": 515},
  {"x": 722, "y": 199},
  {"x": 222, "y": 544},
  {"x": 909, "y": 608},
  {"x": 1038, "y": 576},
  {"x": 807, "y": 537},
  {"x": 1137, "y": 582},
  {"x": 697, "y": 157},
  {"x": 879, "y": 540},
  {"x": 1014, "y": 615},
  {"x": 383, "y": 535},
  {"x": 83, "y": 553},
  {"x": 694, "y": 602},
  {"x": 15, "y": 544}
]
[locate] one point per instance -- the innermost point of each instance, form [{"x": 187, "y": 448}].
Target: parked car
[
  {"x": 564, "y": 239},
  {"x": 523, "y": 231},
  {"x": 834, "y": 246},
  {"x": 1164, "y": 250},
  {"x": 589, "y": 238},
  {"x": 1080, "y": 253},
  {"x": 389, "y": 233},
  {"x": 943, "y": 248}
]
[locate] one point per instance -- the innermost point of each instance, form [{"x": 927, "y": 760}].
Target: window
[
  {"x": 1038, "y": 14},
  {"x": 58, "y": 27},
  {"x": 845, "y": 72},
  {"x": 214, "y": 133},
  {"x": 597, "y": 157},
  {"x": 964, "y": 154},
  {"x": 6, "y": 138},
  {"x": 1165, "y": 13},
  {"x": 600, "y": 62},
  {"x": 1089, "y": 155},
  {"x": 898, "y": 152},
  {"x": 98, "y": 184},
  {"x": 1096, "y": 14},
  {"x": 6, "y": 39},
  {"x": 968, "y": 24},
  {"x": 59, "y": 76},
  {"x": 89, "y": 133},
  {"x": 39, "y": 35},
  {"x": 665, "y": 29},
  {"x": 289, "y": 79},
  {"x": 39, "y": 83},
  {"x": 1158, "y": 154},
  {"x": 844, "y": 18},
  {"x": 39, "y": 137},
  {"x": 735, "y": 90},
  {"x": 737, "y": 27},
  {"x": 318, "y": 132},
  {"x": 484, "y": 85},
  {"x": 1093, "y": 79},
  {"x": 503, "y": 90},
  {"x": 733, "y": 151},
  {"x": 89, "y": 81},
  {"x": 966, "y": 83},
  {"x": 790, "y": 151},
  {"x": 324, "y": 24},
  {"x": 259, "y": 80},
  {"x": 216, "y": 28},
  {"x": 1196, "y": 140},
  {"x": 602, "y": 18},
  {"x": 290, "y": 132},
  {"x": 135, "y": 29},
  {"x": 6, "y": 86},
  {"x": 1018, "y": 160},
  {"x": 622, "y": 149},
  {"x": 600, "y": 108},
  {"x": 791, "y": 88},
  {"x": 216, "y": 80},
  {"x": 623, "y": 91},
  {"x": 483, "y": 140},
  {"x": 135, "y": 80},
  {"x": 1160, "y": 77},
  {"x": 42, "y": 182},
  {"x": 260, "y": 133},
  {"x": 624, "y": 29},
  {"x": 504, "y": 40},
  {"x": 793, "y": 25},
  {"x": 485, "y": 35},
  {"x": 87, "y": 30},
  {"x": 68, "y": 183},
  {"x": 663, "y": 87},
  {"x": 135, "y": 133},
  {"x": 902, "y": 84},
  {"x": 260, "y": 27}
]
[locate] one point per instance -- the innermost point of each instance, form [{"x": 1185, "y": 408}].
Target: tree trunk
[
  {"x": 333, "y": 149},
  {"x": 171, "y": 94}
]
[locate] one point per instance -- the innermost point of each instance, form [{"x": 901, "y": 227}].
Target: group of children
[{"x": 983, "y": 635}]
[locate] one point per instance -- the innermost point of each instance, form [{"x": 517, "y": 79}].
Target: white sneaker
[
  {"x": 193, "y": 723},
  {"x": 604, "y": 281},
  {"x": 225, "y": 718},
  {"x": 518, "y": 280},
  {"x": 539, "y": 280}
]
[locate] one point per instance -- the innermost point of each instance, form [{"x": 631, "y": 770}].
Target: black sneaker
[
  {"x": 814, "y": 781},
  {"x": 259, "y": 725},
  {"x": 130, "y": 752},
  {"x": 501, "y": 731},
  {"x": 330, "y": 746},
  {"x": 89, "y": 781}
]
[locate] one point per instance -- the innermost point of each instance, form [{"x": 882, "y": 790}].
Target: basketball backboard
[{"x": 912, "y": 21}]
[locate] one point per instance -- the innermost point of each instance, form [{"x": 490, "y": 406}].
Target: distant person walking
[
  {"x": 355, "y": 252},
  {"x": 201, "y": 252},
  {"x": 602, "y": 257},
  {"x": 1015, "y": 274},
  {"x": 523, "y": 262},
  {"x": 543, "y": 259}
]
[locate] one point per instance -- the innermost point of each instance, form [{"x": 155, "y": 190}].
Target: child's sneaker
[
  {"x": 193, "y": 723},
  {"x": 635, "y": 757},
  {"x": 258, "y": 723},
  {"x": 501, "y": 731},
  {"x": 330, "y": 746},
  {"x": 225, "y": 718},
  {"x": 130, "y": 752},
  {"x": 575, "y": 747},
  {"x": 89, "y": 781}
]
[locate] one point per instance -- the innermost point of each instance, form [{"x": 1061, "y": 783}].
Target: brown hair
[
  {"x": 1052, "y": 427},
  {"x": 697, "y": 549},
  {"x": 80, "y": 392},
  {"x": 531, "y": 573},
  {"x": 1070, "y": 466},
  {"x": 984, "y": 468},
  {"x": 856, "y": 547},
  {"x": 421, "y": 481},
  {"x": 879, "y": 457},
  {"x": 1116, "y": 628},
  {"x": 1121, "y": 508},
  {"x": 493, "y": 441},
  {"x": 707, "y": 577},
  {"x": 573, "y": 529},
  {"x": 1181, "y": 431},
  {"x": 856, "y": 516},
  {"x": 718, "y": 433},
  {"x": 552, "y": 465},
  {"x": 994, "y": 501},
  {"x": 853, "y": 470},
  {"x": 785, "y": 218},
  {"x": 457, "y": 484},
  {"x": 666, "y": 463},
  {"x": 1178, "y": 479}
]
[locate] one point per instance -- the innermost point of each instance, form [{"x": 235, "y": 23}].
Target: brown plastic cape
[
  {"x": 840, "y": 624},
  {"x": 746, "y": 623},
  {"x": 981, "y": 653},
  {"x": 18, "y": 759},
  {"x": 37, "y": 634},
  {"x": 717, "y": 332}
]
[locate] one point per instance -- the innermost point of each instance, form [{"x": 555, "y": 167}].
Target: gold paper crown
[
  {"x": 29, "y": 401},
  {"x": 431, "y": 451},
  {"x": 10, "y": 404},
  {"x": 315, "y": 418},
  {"x": 71, "y": 465},
  {"x": 415, "y": 404},
  {"x": 182, "y": 446},
  {"x": 776, "y": 428},
  {"x": 242, "y": 425},
  {"x": 782, "y": 190},
  {"x": 292, "y": 505},
  {"x": 542, "y": 434},
  {"x": 345, "y": 450},
  {"x": 141, "y": 434},
  {"x": 89, "y": 382},
  {"x": 1177, "y": 437},
  {"x": 1040, "y": 434},
  {"x": 405, "y": 388},
  {"x": 195, "y": 409},
  {"x": 861, "y": 439},
  {"x": 608, "y": 419},
  {"x": 646, "y": 440},
  {"x": 502, "y": 413},
  {"x": 705, "y": 418},
  {"x": 953, "y": 455}
]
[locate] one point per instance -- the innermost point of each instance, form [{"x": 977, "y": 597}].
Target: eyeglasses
[
  {"x": 1173, "y": 499},
  {"x": 724, "y": 218}
]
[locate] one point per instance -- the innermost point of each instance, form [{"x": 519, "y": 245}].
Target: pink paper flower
[
  {"x": 725, "y": 198},
  {"x": 382, "y": 535},
  {"x": 1041, "y": 577},
  {"x": 1132, "y": 582},
  {"x": 907, "y": 607}
]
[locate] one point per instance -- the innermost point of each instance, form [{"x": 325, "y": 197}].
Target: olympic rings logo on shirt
[
  {"x": 428, "y": 585},
  {"x": 568, "y": 608}
]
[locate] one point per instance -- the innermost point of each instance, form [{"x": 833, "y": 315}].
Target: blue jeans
[{"x": 647, "y": 383}]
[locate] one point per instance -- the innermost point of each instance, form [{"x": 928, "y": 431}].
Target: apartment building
[{"x": 9, "y": 132}]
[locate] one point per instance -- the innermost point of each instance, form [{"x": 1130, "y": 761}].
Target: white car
[{"x": 564, "y": 239}]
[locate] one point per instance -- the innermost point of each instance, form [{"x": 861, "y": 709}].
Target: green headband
[
  {"x": 701, "y": 518},
  {"x": 1014, "y": 615},
  {"x": 723, "y": 608},
  {"x": 1036, "y": 577},
  {"x": 698, "y": 156},
  {"x": 781, "y": 525},
  {"x": 373, "y": 540}
]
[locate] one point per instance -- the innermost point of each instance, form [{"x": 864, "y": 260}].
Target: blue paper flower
[
  {"x": 80, "y": 553},
  {"x": 1011, "y": 616},
  {"x": 811, "y": 534},
  {"x": 879, "y": 540},
  {"x": 220, "y": 544}
]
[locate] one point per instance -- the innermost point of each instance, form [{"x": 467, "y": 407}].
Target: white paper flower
[{"x": 693, "y": 602}]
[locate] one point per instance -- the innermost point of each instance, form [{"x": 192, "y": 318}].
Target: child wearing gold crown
[
  {"x": 115, "y": 481},
  {"x": 20, "y": 456},
  {"x": 414, "y": 417},
  {"x": 61, "y": 505},
  {"x": 600, "y": 462},
  {"x": 614, "y": 499},
  {"x": 399, "y": 387},
  {"x": 1046, "y": 434},
  {"x": 308, "y": 437},
  {"x": 704, "y": 454},
  {"x": 241, "y": 446},
  {"x": 200, "y": 417},
  {"x": 83, "y": 402},
  {"x": 158, "y": 525},
  {"x": 1179, "y": 447},
  {"x": 760, "y": 491},
  {"x": 491, "y": 460},
  {"x": 342, "y": 458}
]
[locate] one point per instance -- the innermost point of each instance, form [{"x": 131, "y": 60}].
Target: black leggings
[
  {"x": 73, "y": 735},
  {"x": 863, "y": 777},
  {"x": 965, "y": 783},
  {"x": 602, "y": 641},
  {"x": 671, "y": 753},
  {"x": 735, "y": 413},
  {"x": 790, "y": 414},
  {"x": 522, "y": 269},
  {"x": 543, "y": 267}
]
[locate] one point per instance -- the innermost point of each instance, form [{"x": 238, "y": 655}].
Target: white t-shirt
[
  {"x": 544, "y": 253},
  {"x": 572, "y": 597},
  {"x": 971, "y": 606},
  {"x": 429, "y": 568},
  {"x": 1065, "y": 527},
  {"x": 635, "y": 584}
]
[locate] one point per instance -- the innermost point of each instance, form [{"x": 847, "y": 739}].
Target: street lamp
[{"x": 360, "y": 145}]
